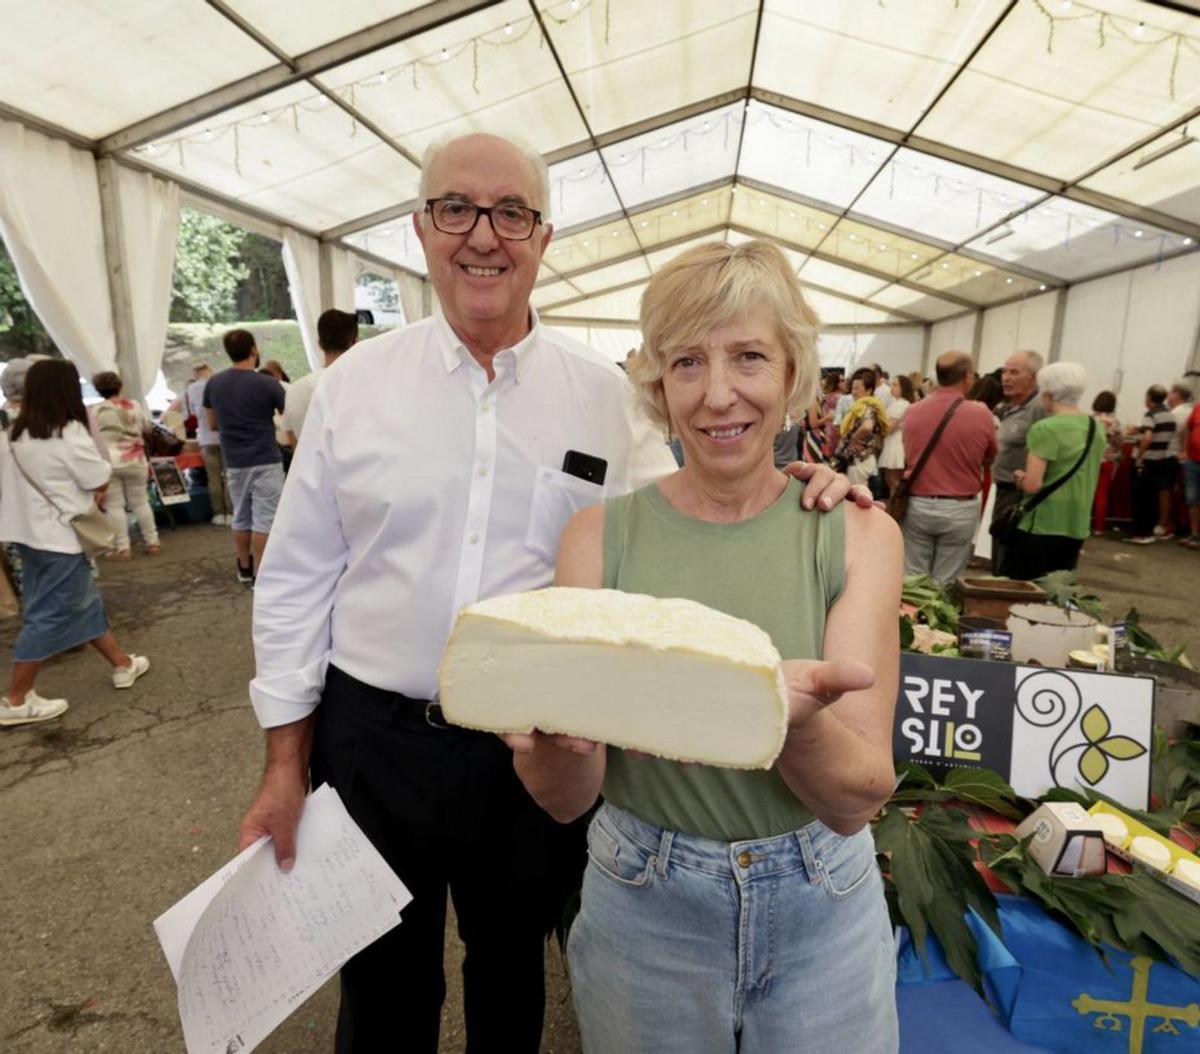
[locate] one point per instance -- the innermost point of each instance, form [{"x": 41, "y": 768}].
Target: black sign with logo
[{"x": 954, "y": 713}]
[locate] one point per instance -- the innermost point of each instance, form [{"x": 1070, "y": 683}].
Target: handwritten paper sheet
[{"x": 251, "y": 943}]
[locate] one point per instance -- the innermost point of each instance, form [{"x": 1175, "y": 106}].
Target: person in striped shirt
[{"x": 1156, "y": 471}]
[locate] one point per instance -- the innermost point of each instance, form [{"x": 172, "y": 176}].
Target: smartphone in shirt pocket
[{"x": 557, "y": 495}]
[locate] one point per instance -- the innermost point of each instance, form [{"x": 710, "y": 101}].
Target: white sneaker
[
  {"x": 124, "y": 676},
  {"x": 34, "y": 709},
  {"x": 220, "y": 520}
]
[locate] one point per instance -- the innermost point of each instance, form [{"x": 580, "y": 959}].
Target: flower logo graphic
[{"x": 1093, "y": 765}]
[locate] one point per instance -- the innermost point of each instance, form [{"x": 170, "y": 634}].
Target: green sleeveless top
[{"x": 782, "y": 570}]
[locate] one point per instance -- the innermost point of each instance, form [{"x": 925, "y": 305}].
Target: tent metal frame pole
[
  {"x": 628, "y": 323},
  {"x": 116, "y": 260},
  {"x": 883, "y": 276},
  {"x": 988, "y": 166},
  {"x": 302, "y": 67},
  {"x": 977, "y": 337},
  {"x": 47, "y": 128},
  {"x": 902, "y": 316},
  {"x": 1054, "y": 352},
  {"x": 926, "y": 345}
]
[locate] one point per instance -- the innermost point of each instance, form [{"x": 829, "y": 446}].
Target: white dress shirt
[
  {"x": 421, "y": 488},
  {"x": 299, "y": 396},
  {"x": 68, "y": 468}
]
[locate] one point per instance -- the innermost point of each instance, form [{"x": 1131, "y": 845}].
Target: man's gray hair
[
  {"x": 1064, "y": 382},
  {"x": 1033, "y": 362},
  {"x": 1184, "y": 390},
  {"x": 12, "y": 381},
  {"x": 532, "y": 156}
]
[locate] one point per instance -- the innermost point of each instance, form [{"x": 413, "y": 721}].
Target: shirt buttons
[
  {"x": 481, "y": 471},
  {"x": 745, "y": 859},
  {"x": 473, "y": 538}
]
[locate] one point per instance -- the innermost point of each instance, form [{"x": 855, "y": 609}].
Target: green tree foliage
[
  {"x": 19, "y": 326},
  {"x": 263, "y": 294},
  {"x": 384, "y": 291},
  {"x": 208, "y": 269}
]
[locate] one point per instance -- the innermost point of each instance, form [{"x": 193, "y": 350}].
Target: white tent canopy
[{"x": 923, "y": 163}]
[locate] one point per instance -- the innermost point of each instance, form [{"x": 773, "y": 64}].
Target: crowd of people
[
  {"x": 431, "y": 468},
  {"x": 1000, "y": 481}
]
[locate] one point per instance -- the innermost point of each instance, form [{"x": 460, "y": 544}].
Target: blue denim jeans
[{"x": 684, "y": 945}]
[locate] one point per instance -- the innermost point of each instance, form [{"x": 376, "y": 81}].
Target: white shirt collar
[{"x": 454, "y": 352}]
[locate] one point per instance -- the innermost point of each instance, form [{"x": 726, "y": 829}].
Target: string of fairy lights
[{"x": 811, "y": 144}]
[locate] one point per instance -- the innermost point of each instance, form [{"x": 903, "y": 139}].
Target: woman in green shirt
[
  {"x": 726, "y": 909},
  {"x": 1051, "y": 533}
]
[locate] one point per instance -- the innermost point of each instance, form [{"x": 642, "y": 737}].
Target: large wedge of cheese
[{"x": 668, "y": 677}]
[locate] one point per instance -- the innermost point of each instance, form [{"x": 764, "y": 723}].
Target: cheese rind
[
  {"x": 1187, "y": 871},
  {"x": 1112, "y": 827},
  {"x": 1150, "y": 851},
  {"x": 669, "y": 677}
]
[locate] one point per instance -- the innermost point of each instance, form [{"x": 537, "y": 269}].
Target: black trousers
[
  {"x": 1007, "y": 495},
  {"x": 446, "y": 810},
  {"x": 1029, "y": 556}
]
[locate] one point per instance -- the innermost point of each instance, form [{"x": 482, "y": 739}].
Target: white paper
[{"x": 251, "y": 943}]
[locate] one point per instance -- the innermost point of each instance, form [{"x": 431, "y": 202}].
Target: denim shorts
[
  {"x": 1191, "y": 482},
  {"x": 685, "y": 945},
  {"x": 254, "y": 493}
]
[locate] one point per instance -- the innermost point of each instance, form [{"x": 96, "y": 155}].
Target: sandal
[
  {"x": 120, "y": 554},
  {"x": 153, "y": 550}
]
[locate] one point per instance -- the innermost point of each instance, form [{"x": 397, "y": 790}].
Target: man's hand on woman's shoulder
[{"x": 826, "y": 488}]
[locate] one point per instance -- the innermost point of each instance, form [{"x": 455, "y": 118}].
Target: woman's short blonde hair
[{"x": 710, "y": 286}]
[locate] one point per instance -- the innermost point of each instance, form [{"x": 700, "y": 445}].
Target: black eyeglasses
[{"x": 512, "y": 222}]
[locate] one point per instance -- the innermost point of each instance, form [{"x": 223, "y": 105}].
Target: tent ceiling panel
[
  {"x": 293, "y": 153},
  {"x": 320, "y": 24},
  {"x": 882, "y": 62},
  {"x": 677, "y": 157},
  {"x": 1167, "y": 182},
  {"x": 606, "y": 278},
  {"x": 660, "y": 257},
  {"x": 623, "y": 304},
  {"x": 924, "y": 306},
  {"x": 940, "y": 198},
  {"x": 1072, "y": 240},
  {"x": 970, "y": 279},
  {"x": 468, "y": 75},
  {"x": 811, "y": 157},
  {"x": 395, "y": 240},
  {"x": 580, "y": 192},
  {"x": 844, "y": 280},
  {"x": 552, "y": 293},
  {"x": 94, "y": 68},
  {"x": 834, "y": 311},
  {"x": 627, "y": 58},
  {"x": 766, "y": 214},
  {"x": 1060, "y": 88}
]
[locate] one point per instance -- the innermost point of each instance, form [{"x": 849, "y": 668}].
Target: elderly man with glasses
[{"x": 433, "y": 473}]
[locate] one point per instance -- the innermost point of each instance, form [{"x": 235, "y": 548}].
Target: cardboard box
[
  {"x": 1065, "y": 843},
  {"x": 1140, "y": 830}
]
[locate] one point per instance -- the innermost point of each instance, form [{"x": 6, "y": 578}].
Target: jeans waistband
[
  {"x": 797, "y": 850},
  {"x": 425, "y": 711}
]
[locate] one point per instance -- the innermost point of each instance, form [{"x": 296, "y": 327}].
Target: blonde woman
[{"x": 746, "y": 905}]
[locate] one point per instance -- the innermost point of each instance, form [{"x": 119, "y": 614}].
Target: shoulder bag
[
  {"x": 897, "y": 505},
  {"x": 1004, "y": 527},
  {"x": 92, "y": 529}
]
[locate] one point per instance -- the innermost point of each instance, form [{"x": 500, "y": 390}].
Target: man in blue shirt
[{"x": 241, "y": 404}]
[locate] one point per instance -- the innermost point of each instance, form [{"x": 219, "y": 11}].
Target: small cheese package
[
  {"x": 1066, "y": 842},
  {"x": 1150, "y": 852},
  {"x": 668, "y": 677}
]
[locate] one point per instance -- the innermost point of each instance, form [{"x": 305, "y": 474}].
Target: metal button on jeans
[{"x": 744, "y": 858}]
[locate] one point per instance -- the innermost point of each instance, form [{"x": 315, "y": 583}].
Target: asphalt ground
[{"x": 112, "y": 813}]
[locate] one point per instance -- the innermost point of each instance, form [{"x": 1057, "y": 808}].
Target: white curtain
[
  {"x": 412, "y": 296},
  {"x": 346, "y": 268},
  {"x": 302, "y": 262},
  {"x": 50, "y": 222},
  {"x": 150, "y": 217}
]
